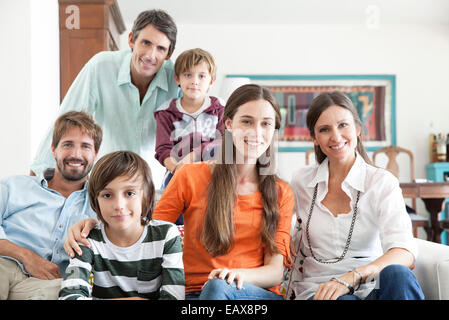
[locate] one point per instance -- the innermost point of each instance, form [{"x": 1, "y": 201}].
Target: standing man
[
  {"x": 122, "y": 89},
  {"x": 35, "y": 212}
]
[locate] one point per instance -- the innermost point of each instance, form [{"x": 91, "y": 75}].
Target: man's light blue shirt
[
  {"x": 37, "y": 218},
  {"x": 103, "y": 88}
]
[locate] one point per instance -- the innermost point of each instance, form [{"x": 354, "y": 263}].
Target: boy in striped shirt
[{"x": 130, "y": 254}]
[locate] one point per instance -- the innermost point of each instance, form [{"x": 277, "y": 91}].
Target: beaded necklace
[{"x": 348, "y": 241}]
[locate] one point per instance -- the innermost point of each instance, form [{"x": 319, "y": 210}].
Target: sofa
[{"x": 432, "y": 269}]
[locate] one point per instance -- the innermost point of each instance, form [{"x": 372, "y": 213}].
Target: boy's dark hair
[
  {"x": 117, "y": 164},
  {"x": 159, "y": 19}
]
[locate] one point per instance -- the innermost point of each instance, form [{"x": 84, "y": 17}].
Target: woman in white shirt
[{"x": 356, "y": 235}]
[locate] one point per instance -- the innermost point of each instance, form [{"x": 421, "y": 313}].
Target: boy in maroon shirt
[{"x": 189, "y": 128}]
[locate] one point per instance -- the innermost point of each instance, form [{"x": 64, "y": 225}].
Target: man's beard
[{"x": 76, "y": 175}]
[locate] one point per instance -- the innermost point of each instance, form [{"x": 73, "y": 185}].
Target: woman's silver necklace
[{"x": 348, "y": 241}]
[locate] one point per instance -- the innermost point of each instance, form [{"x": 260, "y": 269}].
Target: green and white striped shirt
[{"x": 151, "y": 268}]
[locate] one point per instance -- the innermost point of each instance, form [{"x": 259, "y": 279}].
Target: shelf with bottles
[{"x": 439, "y": 147}]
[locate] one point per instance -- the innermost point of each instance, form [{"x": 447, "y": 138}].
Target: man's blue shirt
[{"x": 37, "y": 218}]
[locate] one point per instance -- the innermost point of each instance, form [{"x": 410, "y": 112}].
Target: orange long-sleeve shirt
[{"x": 187, "y": 193}]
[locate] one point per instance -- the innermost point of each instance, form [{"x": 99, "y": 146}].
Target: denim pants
[
  {"x": 397, "y": 282},
  {"x": 167, "y": 179},
  {"x": 218, "y": 289}
]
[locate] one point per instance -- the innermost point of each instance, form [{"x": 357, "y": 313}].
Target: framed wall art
[{"x": 372, "y": 95}]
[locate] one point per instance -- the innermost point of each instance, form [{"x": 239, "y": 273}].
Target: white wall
[
  {"x": 29, "y": 79},
  {"x": 15, "y": 86},
  {"x": 44, "y": 69}
]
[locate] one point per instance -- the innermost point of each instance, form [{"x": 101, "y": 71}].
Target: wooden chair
[
  {"x": 392, "y": 152},
  {"x": 308, "y": 153}
]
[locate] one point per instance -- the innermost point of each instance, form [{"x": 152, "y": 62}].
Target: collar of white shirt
[{"x": 355, "y": 177}]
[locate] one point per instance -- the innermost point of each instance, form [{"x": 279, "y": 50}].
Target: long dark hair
[
  {"x": 319, "y": 105},
  {"x": 218, "y": 228}
]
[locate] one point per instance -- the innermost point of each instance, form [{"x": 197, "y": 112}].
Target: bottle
[
  {"x": 432, "y": 147},
  {"x": 441, "y": 148},
  {"x": 447, "y": 148},
  {"x": 434, "y": 157}
]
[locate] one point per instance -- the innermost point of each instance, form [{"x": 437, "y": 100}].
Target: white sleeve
[{"x": 395, "y": 226}]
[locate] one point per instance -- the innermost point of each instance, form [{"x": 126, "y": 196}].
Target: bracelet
[
  {"x": 361, "y": 278},
  {"x": 347, "y": 285}
]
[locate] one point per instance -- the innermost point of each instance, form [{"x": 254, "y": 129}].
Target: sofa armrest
[
  {"x": 432, "y": 269},
  {"x": 443, "y": 280}
]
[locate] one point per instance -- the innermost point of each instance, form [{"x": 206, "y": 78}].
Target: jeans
[
  {"x": 397, "y": 282},
  {"x": 218, "y": 289},
  {"x": 167, "y": 179}
]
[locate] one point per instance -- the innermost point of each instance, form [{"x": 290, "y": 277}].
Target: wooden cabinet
[{"x": 86, "y": 27}]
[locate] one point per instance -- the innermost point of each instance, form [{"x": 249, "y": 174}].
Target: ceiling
[{"x": 286, "y": 12}]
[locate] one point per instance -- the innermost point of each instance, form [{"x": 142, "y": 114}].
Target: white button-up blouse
[{"x": 382, "y": 223}]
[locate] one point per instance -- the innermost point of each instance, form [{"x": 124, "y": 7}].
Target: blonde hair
[{"x": 193, "y": 57}]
